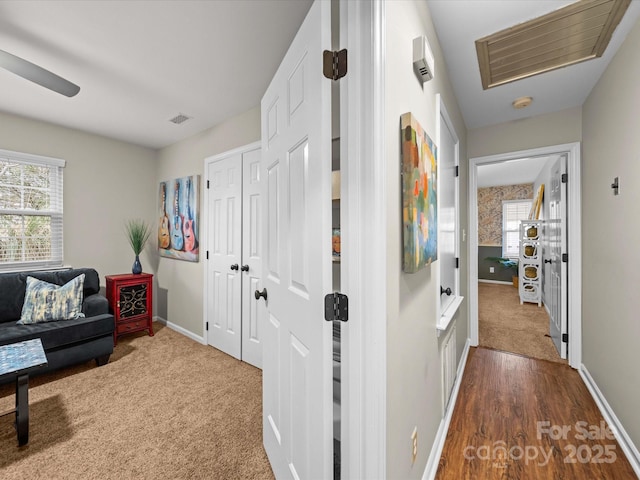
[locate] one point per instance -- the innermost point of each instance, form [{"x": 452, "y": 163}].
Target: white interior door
[
  {"x": 224, "y": 234},
  {"x": 296, "y": 168},
  {"x": 557, "y": 237},
  {"x": 447, "y": 215},
  {"x": 253, "y": 310}
]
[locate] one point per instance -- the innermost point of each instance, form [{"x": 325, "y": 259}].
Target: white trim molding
[
  {"x": 497, "y": 282},
  {"x": 441, "y": 435},
  {"x": 612, "y": 420},
  {"x": 180, "y": 329},
  {"x": 363, "y": 197},
  {"x": 574, "y": 235}
]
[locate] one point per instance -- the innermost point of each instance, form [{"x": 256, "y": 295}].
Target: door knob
[
  {"x": 244, "y": 268},
  {"x": 234, "y": 267},
  {"x": 443, "y": 290},
  {"x": 262, "y": 294},
  {"x": 547, "y": 260}
]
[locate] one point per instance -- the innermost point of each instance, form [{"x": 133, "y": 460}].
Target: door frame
[
  {"x": 205, "y": 240},
  {"x": 363, "y": 238},
  {"x": 574, "y": 240}
]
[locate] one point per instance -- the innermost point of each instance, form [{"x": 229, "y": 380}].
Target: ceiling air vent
[
  {"x": 180, "y": 118},
  {"x": 575, "y": 33}
]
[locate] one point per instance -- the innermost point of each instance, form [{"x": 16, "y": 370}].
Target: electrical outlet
[
  {"x": 492, "y": 269},
  {"x": 414, "y": 445}
]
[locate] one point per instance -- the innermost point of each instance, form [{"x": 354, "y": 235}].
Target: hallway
[{"x": 522, "y": 418}]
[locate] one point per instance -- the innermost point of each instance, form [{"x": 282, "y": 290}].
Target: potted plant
[
  {"x": 138, "y": 232},
  {"x": 509, "y": 263}
]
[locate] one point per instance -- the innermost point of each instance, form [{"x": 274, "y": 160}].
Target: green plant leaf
[{"x": 138, "y": 232}]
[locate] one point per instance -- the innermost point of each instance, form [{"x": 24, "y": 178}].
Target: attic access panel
[{"x": 575, "y": 33}]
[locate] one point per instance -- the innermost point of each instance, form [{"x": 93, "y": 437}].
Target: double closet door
[{"x": 234, "y": 316}]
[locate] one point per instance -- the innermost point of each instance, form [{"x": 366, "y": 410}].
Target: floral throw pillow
[{"x": 46, "y": 302}]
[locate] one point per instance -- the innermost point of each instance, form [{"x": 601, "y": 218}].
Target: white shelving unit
[{"x": 530, "y": 262}]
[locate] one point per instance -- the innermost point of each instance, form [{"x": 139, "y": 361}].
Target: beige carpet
[
  {"x": 165, "y": 407},
  {"x": 504, "y": 324}
]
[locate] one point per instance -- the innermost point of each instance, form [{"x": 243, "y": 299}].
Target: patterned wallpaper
[{"x": 490, "y": 210}]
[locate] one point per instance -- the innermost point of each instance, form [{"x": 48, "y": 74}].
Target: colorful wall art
[
  {"x": 178, "y": 224},
  {"x": 419, "y": 196}
]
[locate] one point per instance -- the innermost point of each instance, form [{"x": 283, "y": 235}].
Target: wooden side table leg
[{"x": 22, "y": 409}]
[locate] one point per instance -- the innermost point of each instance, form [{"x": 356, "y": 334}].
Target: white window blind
[
  {"x": 512, "y": 212},
  {"x": 30, "y": 211}
]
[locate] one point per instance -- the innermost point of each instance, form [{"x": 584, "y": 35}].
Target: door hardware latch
[{"x": 445, "y": 290}]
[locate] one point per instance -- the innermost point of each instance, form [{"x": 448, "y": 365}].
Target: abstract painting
[
  {"x": 419, "y": 196},
  {"x": 178, "y": 224}
]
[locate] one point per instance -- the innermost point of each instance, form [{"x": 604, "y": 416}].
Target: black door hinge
[
  {"x": 457, "y": 262},
  {"x": 565, "y": 257},
  {"x": 207, "y": 327},
  {"x": 207, "y": 254},
  {"x": 565, "y": 338},
  {"x": 207, "y": 184},
  {"x": 336, "y": 307},
  {"x": 334, "y": 64},
  {"x": 564, "y": 178},
  {"x": 457, "y": 171}
]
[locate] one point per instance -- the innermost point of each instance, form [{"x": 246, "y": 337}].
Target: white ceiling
[
  {"x": 459, "y": 23},
  {"x": 140, "y": 63},
  {"x": 511, "y": 172}
]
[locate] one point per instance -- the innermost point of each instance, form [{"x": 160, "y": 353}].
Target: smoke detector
[
  {"x": 522, "y": 102},
  {"x": 422, "y": 59}
]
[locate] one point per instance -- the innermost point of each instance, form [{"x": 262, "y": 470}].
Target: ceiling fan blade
[{"x": 37, "y": 74}]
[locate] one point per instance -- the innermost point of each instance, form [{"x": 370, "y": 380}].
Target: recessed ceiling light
[{"x": 522, "y": 102}]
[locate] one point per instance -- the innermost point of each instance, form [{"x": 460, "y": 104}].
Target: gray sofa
[{"x": 65, "y": 342}]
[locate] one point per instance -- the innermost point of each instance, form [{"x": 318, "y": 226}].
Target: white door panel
[
  {"x": 224, "y": 305},
  {"x": 556, "y": 229},
  {"x": 447, "y": 218},
  {"x": 253, "y": 311},
  {"x": 296, "y": 159}
]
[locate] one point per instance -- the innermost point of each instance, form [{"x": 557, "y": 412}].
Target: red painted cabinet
[{"x": 130, "y": 300}]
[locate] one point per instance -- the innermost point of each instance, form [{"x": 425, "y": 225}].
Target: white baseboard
[
  {"x": 441, "y": 435},
  {"x": 181, "y": 330},
  {"x": 621, "y": 435},
  {"x": 499, "y": 282}
]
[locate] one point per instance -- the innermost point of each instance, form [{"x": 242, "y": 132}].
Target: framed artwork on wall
[
  {"x": 419, "y": 196},
  {"x": 178, "y": 225}
]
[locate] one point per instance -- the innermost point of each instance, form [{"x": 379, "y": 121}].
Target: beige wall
[
  {"x": 181, "y": 283},
  {"x": 413, "y": 361},
  {"x": 555, "y": 128},
  {"x": 611, "y": 234},
  {"x": 106, "y": 182}
]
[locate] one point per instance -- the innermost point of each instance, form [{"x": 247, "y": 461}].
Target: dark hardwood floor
[{"x": 521, "y": 418}]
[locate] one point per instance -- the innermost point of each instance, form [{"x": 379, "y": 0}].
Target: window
[
  {"x": 512, "y": 212},
  {"x": 30, "y": 211}
]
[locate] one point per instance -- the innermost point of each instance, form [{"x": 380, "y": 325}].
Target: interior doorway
[
  {"x": 513, "y": 310},
  {"x": 573, "y": 266}
]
